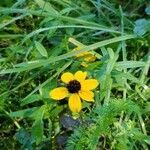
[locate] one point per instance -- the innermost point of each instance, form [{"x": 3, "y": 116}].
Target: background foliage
[{"x": 34, "y": 51}]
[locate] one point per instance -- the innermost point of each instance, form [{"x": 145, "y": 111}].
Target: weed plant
[{"x": 42, "y": 39}]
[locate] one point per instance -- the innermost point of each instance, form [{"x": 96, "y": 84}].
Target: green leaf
[
  {"x": 68, "y": 55},
  {"x": 127, "y": 75},
  {"x": 51, "y": 78},
  {"x": 23, "y": 113},
  {"x": 102, "y": 118},
  {"x": 2, "y": 59},
  {"x": 129, "y": 64},
  {"x": 112, "y": 61},
  {"x": 41, "y": 49},
  {"x": 31, "y": 99},
  {"x": 37, "y": 128},
  {"x": 45, "y": 5},
  {"x": 2, "y": 25},
  {"x": 147, "y": 108},
  {"x": 137, "y": 135}
]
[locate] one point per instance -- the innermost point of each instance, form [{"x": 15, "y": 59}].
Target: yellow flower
[
  {"x": 88, "y": 56},
  {"x": 77, "y": 88}
]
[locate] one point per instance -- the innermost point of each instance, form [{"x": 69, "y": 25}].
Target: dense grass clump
[{"x": 108, "y": 41}]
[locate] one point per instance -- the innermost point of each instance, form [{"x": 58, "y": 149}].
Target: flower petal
[
  {"x": 80, "y": 75},
  {"x": 67, "y": 77},
  {"x": 89, "y": 84},
  {"x": 87, "y": 95},
  {"x": 75, "y": 103},
  {"x": 58, "y": 93}
]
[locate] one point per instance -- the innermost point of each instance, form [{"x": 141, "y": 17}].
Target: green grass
[{"x": 35, "y": 51}]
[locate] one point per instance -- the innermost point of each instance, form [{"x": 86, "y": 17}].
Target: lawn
[{"x": 74, "y": 75}]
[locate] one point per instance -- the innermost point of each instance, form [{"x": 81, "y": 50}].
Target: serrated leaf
[
  {"x": 147, "y": 108},
  {"x": 41, "y": 49},
  {"x": 137, "y": 135}
]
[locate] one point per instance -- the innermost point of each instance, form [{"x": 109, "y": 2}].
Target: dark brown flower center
[{"x": 73, "y": 86}]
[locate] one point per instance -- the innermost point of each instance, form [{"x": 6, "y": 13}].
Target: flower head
[
  {"x": 88, "y": 56},
  {"x": 77, "y": 88}
]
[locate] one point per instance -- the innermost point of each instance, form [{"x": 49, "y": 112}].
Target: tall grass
[{"x": 35, "y": 50}]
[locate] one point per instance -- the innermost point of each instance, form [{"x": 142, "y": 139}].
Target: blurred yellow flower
[
  {"x": 88, "y": 56},
  {"x": 77, "y": 88}
]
